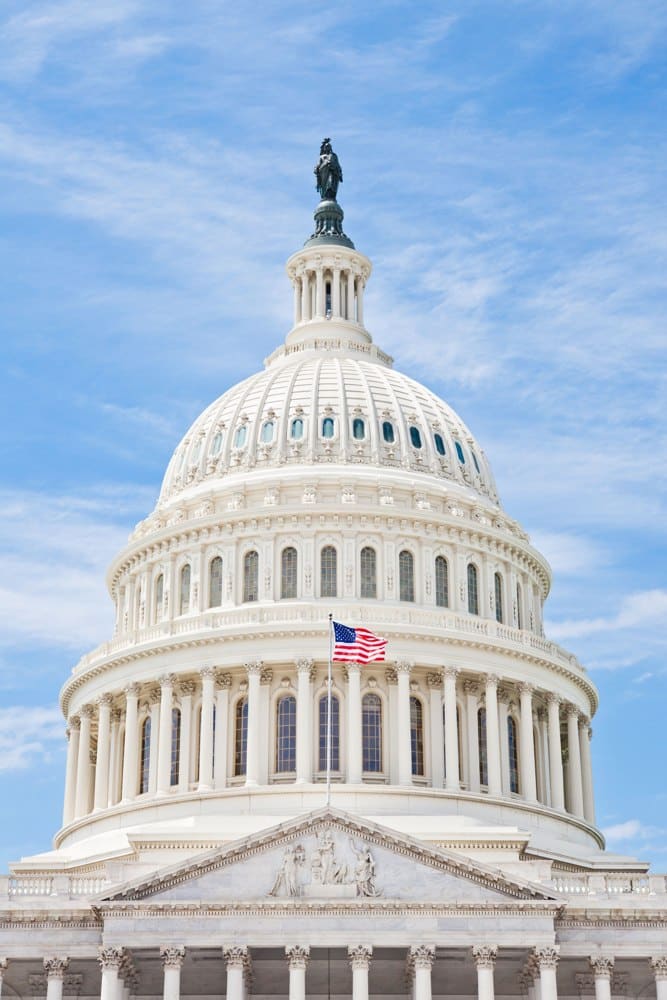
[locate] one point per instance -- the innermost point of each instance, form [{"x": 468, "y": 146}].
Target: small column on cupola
[{"x": 328, "y": 275}]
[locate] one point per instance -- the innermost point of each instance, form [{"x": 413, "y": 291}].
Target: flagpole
[{"x": 329, "y": 711}]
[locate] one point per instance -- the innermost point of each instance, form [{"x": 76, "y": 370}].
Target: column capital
[
  {"x": 526, "y": 689},
  {"x": 470, "y": 686},
  {"x": 132, "y": 690},
  {"x": 56, "y": 967},
  {"x": 484, "y": 955},
  {"x": 224, "y": 681},
  {"x": 187, "y": 688},
  {"x": 154, "y": 696},
  {"x": 602, "y": 966},
  {"x": 554, "y": 699},
  {"x": 390, "y": 675},
  {"x": 235, "y": 956},
  {"x": 74, "y": 722},
  {"x": 167, "y": 680},
  {"x": 658, "y": 964},
  {"x": 116, "y": 715},
  {"x": 403, "y": 667},
  {"x": 297, "y": 955},
  {"x": 172, "y": 956},
  {"x": 360, "y": 955},
  {"x": 547, "y": 957},
  {"x": 422, "y": 956},
  {"x": 110, "y": 958},
  {"x": 104, "y": 701},
  {"x": 305, "y": 665},
  {"x": 584, "y": 721},
  {"x": 451, "y": 673},
  {"x": 207, "y": 672},
  {"x": 434, "y": 679},
  {"x": 253, "y": 668},
  {"x": 571, "y": 709},
  {"x": 491, "y": 680},
  {"x": 87, "y": 711}
]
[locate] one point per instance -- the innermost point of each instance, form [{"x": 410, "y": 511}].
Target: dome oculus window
[
  {"x": 439, "y": 444},
  {"x": 296, "y": 430},
  {"x": 240, "y": 436},
  {"x": 358, "y": 429},
  {"x": 459, "y": 452},
  {"x": 328, "y": 427},
  {"x": 266, "y": 434},
  {"x": 388, "y": 432},
  {"x": 415, "y": 437}
]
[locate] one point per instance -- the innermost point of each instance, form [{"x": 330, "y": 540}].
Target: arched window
[
  {"x": 368, "y": 575},
  {"x": 251, "y": 576},
  {"x": 159, "y": 598},
  {"x": 371, "y": 733},
  {"x": 498, "y": 592},
  {"x": 297, "y": 429},
  {"x": 519, "y": 611},
  {"x": 288, "y": 573},
  {"x": 513, "y": 749},
  {"x": 240, "y": 436},
  {"x": 328, "y": 572},
  {"x": 240, "y": 737},
  {"x": 335, "y": 733},
  {"x": 415, "y": 437},
  {"x": 473, "y": 591},
  {"x": 481, "y": 746},
  {"x": 286, "y": 734},
  {"x": 406, "y": 576},
  {"x": 216, "y": 444},
  {"x": 459, "y": 452},
  {"x": 145, "y": 755},
  {"x": 439, "y": 444},
  {"x": 358, "y": 429},
  {"x": 475, "y": 462},
  {"x": 266, "y": 435},
  {"x": 441, "y": 582},
  {"x": 215, "y": 583},
  {"x": 388, "y": 431},
  {"x": 328, "y": 427},
  {"x": 175, "y": 744},
  {"x": 417, "y": 736},
  {"x": 184, "y": 605}
]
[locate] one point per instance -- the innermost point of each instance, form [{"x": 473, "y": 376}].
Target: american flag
[{"x": 357, "y": 645}]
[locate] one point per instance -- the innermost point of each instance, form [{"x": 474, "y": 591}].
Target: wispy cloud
[{"x": 29, "y": 734}]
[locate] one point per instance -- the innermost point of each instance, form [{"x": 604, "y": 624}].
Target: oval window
[
  {"x": 240, "y": 436},
  {"x": 439, "y": 444},
  {"x": 328, "y": 427},
  {"x": 297, "y": 428},
  {"x": 217, "y": 444},
  {"x": 267, "y": 432},
  {"x": 474, "y": 458},
  {"x": 358, "y": 429},
  {"x": 459, "y": 452},
  {"x": 415, "y": 437},
  {"x": 388, "y": 432}
]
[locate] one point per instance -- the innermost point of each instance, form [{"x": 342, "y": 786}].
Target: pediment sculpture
[{"x": 321, "y": 872}]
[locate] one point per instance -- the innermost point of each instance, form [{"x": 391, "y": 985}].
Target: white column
[
  {"x": 492, "y": 735},
  {"x": 471, "y": 692},
  {"x": 350, "y": 295},
  {"x": 254, "y": 671},
  {"x": 110, "y": 960},
  {"x": 114, "y": 758},
  {"x": 335, "y": 303},
  {"x": 154, "y": 699},
  {"x": 555, "y": 753},
  {"x": 451, "y": 731},
  {"x": 586, "y": 768},
  {"x": 434, "y": 681},
  {"x": 304, "y": 722},
  {"x": 297, "y": 956},
  {"x": 83, "y": 764},
  {"x": 296, "y": 285},
  {"x": 131, "y": 748},
  {"x": 166, "y": 682},
  {"x": 221, "y": 725},
  {"x": 55, "y": 969},
  {"x": 73, "y": 732},
  {"x": 544, "y": 756},
  {"x": 353, "y": 735},
  {"x": 172, "y": 961},
  {"x": 360, "y": 957},
  {"x": 206, "y": 729},
  {"x": 421, "y": 960},
  {"x": 547, "y": 960},
  {"x": 485, "y": 960},
  {"x": 574, "y": 762},
  {"x": 305, "y": 298},
  {"x": 186, "y": 689},
  {"x": 527, "y": 744},
  {"x": 403, "y": 724},
  {"x": 319, "y": 293},
  {"x": 4, "y": 962},
  {"x": 659, "y": 966},
  {"x": 236, "y": 960},
  {"x": 360, "y": 301},
  {"x": 103, "y": 752},
  {"x": 503, "y": 715},
  {"x": 602, "y": 967}
]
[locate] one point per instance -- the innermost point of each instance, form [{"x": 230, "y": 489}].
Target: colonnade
[
  {"x": 335, "y": 292},
  {"x": 459, "y": 750}
]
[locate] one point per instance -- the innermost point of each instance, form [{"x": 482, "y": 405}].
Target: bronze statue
[{"x": 328, "y": 172}]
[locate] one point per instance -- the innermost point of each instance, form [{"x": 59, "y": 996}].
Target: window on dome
[
  {"x": 286, "y": 735},
  {"x": 240, "y": 436},
  {"x": 473, "y": 590},
  {"x": 406, "y": 576},
  {"x": 215, "y": 583},
  {"x": 417, "y": 736},
  {"x": 327, "y": 300},
  {"x": 358, "y": 429},
  {"x": 288, "y": 573},
  {"x": 184, "y": 605},
  {"x": 441, "y": 582},
  {"x": 175, "y": 745},
  {"x": 335, "y": 733},
  {"x": 371, "y": 733},
  {"x": 251, "y": 576},
  {"x": 159, "y": 598},
  {"x": 459, "y": 452},
  {"x": 415, "y": 437},
  {"x": 216, "y": 444},
  {"x": 474, "y": 460},
  {"x": 145, "y": 755},
  {"x": 297, "y": 429},
  {"x": 266, "y": 434},
  {"x": 328, "y": 572},
  {"x": 519, "y": 609},
  {"x": 482, "y": 748},
  {"x": 328, "y": 427},
  {"x": 512, "y": 746},
  {"x": 240, "y": 737},
  {"x": 388, "y": 431},
  {"x": 498, "y": 593},
  {"x": 439, "y": 444},
  {"x": 368, "y": 572}
]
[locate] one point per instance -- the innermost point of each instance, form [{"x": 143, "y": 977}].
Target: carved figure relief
[{"x": 329, "y": 874}]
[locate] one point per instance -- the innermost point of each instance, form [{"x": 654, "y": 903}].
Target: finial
[{"x": 328, "y": 214}]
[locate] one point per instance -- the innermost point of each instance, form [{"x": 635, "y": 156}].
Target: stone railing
[
  {"x": 44, "y": 884},
  {"x": 608, "y": 885}
]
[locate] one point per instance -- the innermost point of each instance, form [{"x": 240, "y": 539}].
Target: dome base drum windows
[
  {"x": 286, "y": 735},
  {"x": 240, "y": 737},
  {"x": 417, "y": 737},
  {"x": 368, "y": 572},
  {"x": 215, "y": 583},
  {"x": 251, "y": 576},
  {"x": 335, "y": 733},
  {"x": 473, "y": 590},
  {"x": 288, "y": 573},
  {"x": 406, "y": 576},
  {"x": 441, "y": 582},
  {"x": 184, "y": 604},
  {"x": 371, "y": 733},
  {"x": 328, "y": 572}
]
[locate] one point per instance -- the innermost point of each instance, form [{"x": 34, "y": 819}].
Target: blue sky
[{"x": 504, "y": 170}]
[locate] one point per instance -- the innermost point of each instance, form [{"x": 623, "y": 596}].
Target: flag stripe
[{"x": 357, "y": 645}]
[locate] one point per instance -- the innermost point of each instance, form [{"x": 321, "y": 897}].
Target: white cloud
[
  {"x": 637, "y": 611},
  {"x": 29, "y": 734}
]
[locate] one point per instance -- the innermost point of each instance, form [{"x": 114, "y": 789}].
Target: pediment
[{"x": 328, "y": 855}]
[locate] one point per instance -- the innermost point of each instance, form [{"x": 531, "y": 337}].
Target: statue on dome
[{"x": 328, "y": 172}]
